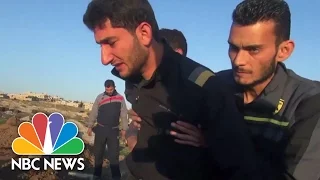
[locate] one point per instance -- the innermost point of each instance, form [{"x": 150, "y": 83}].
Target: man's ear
[
  {"x": 178, "y": 50},
  {"x": 144, "y": 33},
  {"x": 285, "y": 50}
]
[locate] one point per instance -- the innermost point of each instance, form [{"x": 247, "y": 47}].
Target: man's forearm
[
  {"x": 131, "y": 136},
  {"x": 131, "y": 131},
  {"x": 132, "y": 141},
  {"x": 92, "y": 117},
  {"x": 124, "y": 123},
  {"x": 124, "y": 116},
  {"x": 94, "y": 113},
  {"x": 90, "y": 122}
]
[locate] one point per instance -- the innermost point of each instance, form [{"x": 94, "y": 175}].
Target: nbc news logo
[{"x": 47, "y": 136}]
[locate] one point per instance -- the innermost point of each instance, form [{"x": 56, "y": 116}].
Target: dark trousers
[{"x": 106, "y": 136}]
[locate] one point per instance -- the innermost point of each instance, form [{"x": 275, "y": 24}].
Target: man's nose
[
  {"x": 106, "y": 55},
  {"x": 240, "y": 58}
]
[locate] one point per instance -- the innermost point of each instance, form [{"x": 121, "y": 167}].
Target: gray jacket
[{"x": 108, "y": 110}]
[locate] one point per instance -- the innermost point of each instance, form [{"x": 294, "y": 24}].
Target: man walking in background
[
  {"x": 107, "y": 109},
  {"x": 178, "y": 43}
]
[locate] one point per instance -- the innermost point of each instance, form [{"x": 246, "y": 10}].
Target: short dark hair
[
  {"x": 128, "y": 14},
  {"x": 109, "y": 83},
  {"x": 175, "y": 39},
  {"x": 249, "y": 12}
]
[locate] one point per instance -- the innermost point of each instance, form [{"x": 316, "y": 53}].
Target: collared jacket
[
  {"x": 284, "y": 122},
  {"x": 182, "y": 89},
  {"x": 108, "y": 110}
]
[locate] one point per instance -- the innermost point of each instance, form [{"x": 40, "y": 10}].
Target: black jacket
[
  {"x": 284, "y": 122},
  {"x": 182, "y": 89}
]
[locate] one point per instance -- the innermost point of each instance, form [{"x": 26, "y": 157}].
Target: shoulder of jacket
[
  {"x": 120, "y": 95},
  {"x": 308, "y": 107},
  {"x": 100, "y": 95},
  {"x": 195, "y": 72},
  {"x": 305, "y": 87},
  {"x": 300, "y": 92}
]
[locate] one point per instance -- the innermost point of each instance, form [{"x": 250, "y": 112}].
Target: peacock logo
[{"x": 48, "y": 136}]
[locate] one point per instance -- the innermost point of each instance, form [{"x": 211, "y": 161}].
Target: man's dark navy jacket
[
  {"x": 182, "y": 89},
  {"x": 284, "y": 122}
]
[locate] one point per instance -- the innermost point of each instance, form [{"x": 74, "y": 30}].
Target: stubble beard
[
  {"x": 137, "y": 59},
  {"x": 267, "y": 73}
]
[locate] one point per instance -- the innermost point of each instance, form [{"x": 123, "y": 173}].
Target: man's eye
[
  {"x": 112, "y": 43},
  {"x": 254, "y": 50},
  {"x": 233, "y": 48}
]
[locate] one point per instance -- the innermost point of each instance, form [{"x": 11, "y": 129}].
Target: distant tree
[
  {"x": 81, "y": 104},
  {"x": 33, "y": 98}
]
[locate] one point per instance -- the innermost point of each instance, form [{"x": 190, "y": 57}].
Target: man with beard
[
  {"x": 281, "y": 108},
  {"x": 165, "y": 87},
  {"x": 107, "y": 109},
  {"x": 178, "y": 43}
]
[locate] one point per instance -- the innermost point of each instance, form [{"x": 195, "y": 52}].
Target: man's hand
[
  {"x": 123, "y": 134},
  {"x": 136, "y": 120},
  {"x": 192, "y": 135},
  {"x": 89, "y": 132},
  {"x": 131, "y": 141}
]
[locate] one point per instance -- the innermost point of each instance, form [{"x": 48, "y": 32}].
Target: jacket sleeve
[
  {"x": 124, "y": 115},
  {"x": 230, "y": 146},
  {"x": 304, "y": 148},
  {"x": 94, "y": 112}
]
